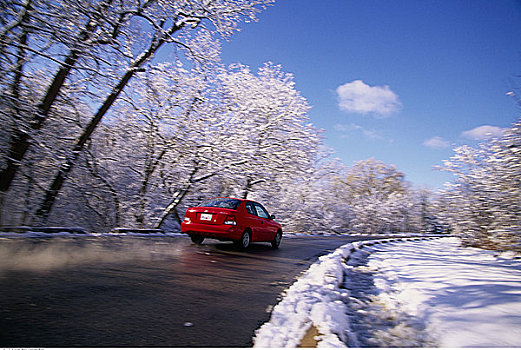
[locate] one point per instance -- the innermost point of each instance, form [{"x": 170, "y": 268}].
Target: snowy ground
[
  {"x": 430, "y": 293},
  {"x": 440, "y": 294}
]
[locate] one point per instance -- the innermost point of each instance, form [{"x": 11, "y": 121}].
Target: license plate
[{"x": 206, "y": 217}]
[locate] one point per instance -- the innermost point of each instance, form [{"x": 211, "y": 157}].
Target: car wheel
[
  {"x": 197, "y": 239},
  {"x": 276, "y": 241},
  {"x": 245, "y": 240}
]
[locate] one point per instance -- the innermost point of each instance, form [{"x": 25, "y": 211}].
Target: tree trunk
[
  {"x": 150, "y": 168},
  {"x": 20, "y": 143},
  {"x": 53, "y": 191},
  {"x": 171, "y": 208},
  {"x": 15, "y": 93},
  {"x": 249, "y": 186},
  {"x": 113, "y": 193},
  {"x": 246, "y": 189}
]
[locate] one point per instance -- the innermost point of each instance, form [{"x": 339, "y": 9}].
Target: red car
[{"x": 230, "y": 219}]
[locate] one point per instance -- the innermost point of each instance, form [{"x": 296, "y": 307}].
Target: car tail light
[{"x": 230, "y": 220}]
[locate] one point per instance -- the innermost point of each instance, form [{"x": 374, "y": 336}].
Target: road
[{"x": 133, "y": 292}]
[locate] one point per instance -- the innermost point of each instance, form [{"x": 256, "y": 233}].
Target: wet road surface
[{"x": 132, "y": 291}]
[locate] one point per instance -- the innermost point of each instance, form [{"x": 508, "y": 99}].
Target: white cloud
[
  {"x": 348, "y": 129},
  {"x": 436, "y": 142},
  {"x": 358, "y": 97},
  {"x": 483, "y": 132}
]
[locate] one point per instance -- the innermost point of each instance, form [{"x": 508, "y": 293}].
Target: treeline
[
  {"x": 483, "y": 204},
  {"x": 99, "y": 130},
  {"x": 66, "y": 74},
  {"x": 119, "y": 113}
]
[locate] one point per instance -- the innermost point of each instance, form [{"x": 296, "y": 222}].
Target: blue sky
[{"x": 400, "y": 81}]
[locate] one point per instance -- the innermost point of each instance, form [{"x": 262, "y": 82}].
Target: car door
[
  {"x": 266, "y": 228},
  {"x": 254, "y": 222}
]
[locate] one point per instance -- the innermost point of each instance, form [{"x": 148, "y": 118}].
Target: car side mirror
[{"x": 272, "y": 217}]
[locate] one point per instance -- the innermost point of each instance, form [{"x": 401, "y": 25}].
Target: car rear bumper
[{"x": 212, "y": 231}]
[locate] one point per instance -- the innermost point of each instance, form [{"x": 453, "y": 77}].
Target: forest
[{"x": 119, "y": 113}]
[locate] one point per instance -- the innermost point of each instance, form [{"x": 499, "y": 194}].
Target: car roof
[{"x": 239, "y": 199}]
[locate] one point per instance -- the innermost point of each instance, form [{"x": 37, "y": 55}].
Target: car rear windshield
[{"x": 228, "y": 203}]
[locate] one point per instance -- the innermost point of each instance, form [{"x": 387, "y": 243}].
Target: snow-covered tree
[
  {"x": 267, "y": 119},
  {"x": 181, "y": 135},
  {"x": 92, "y": 49},
  {"x": 379, "y": 197},
  {"x": 316, "y": 205},
  {"x": 483, "y": 204}
]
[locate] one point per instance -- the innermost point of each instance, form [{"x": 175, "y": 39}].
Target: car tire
[
  {"x": 276, "y": 241},
  {"x": 245, "y": 240},
  {"x": 197, "y": 239}
]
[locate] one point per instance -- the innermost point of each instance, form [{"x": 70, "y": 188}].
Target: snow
[
  {"x": 431, "y": 293},
  {"x": 464, "y": 297},
  {"x": 316, "y": 298}
]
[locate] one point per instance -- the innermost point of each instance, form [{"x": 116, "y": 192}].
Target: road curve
[{"x": 133, "y": 292}]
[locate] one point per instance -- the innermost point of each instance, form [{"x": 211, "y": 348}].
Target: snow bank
[
  {"x": 462, "y": 297},
  {"x": 429, "y": 293},
  {"x": 316, "y": 298}
]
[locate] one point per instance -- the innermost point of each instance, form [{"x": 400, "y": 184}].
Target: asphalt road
[{"x": 133, "y": 292}]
